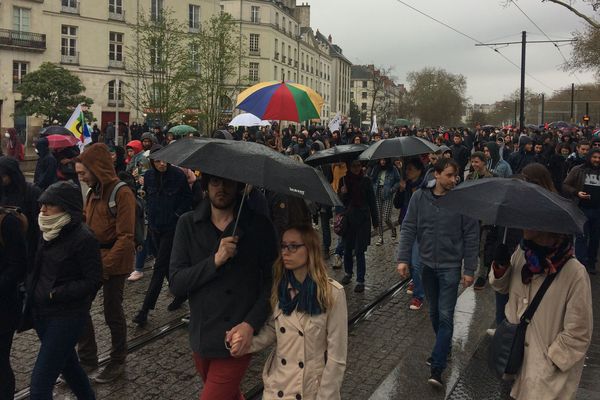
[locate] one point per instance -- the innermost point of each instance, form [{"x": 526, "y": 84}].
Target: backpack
[
  {"x": 16, "y": 212},
  {"x": 139, "y": 236}
]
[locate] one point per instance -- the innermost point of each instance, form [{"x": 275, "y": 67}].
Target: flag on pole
[
  {"x": 374, "y": 128},
  {"x": 76, "y": 124},
  {"x": 334, "y": 124}
]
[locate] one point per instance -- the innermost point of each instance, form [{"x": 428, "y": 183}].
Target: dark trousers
[
  {"x": 163, "y": 241},
  {"x": 221, "y": 376},
  {"x": 501, "y": 301},
  {"x": 7, "y": 377},
  {"x": 441, "y": 290},
  {"x": 58, "y": 337},
  {"x": 114, "y": 316},
  {"x": 586, "y": 245},
  {"x": 325, "y": 229},
  {"x": 361, "y": 262}
]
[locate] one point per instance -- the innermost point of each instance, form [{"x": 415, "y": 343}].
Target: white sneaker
[
  {"x": 490, "y": 332},
  {"x": 135, "y": 276}
]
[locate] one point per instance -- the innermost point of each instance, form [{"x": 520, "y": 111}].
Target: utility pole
[
  {"x": 523, "y": 44},
  {"x": 572, "y": 101},
  {"x": 118, "y": 98},
  {"x": 543, "y": 104},
  {"x": 516, "y": 108}
]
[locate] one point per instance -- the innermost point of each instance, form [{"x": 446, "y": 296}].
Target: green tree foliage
[
  {"x": 214, "y": 61},
  {"x": 436, "y": 96},
  {"x": 51, "y": 92},
  {"x": 159, "y": 62},
  {"x": 355, "y": 114}
]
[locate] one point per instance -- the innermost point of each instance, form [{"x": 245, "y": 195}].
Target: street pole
[
  {"x": 572, "y": 101},
  {"x": 543, "y": 104},
  {"x": 516, "y": 108},
  {"x": 117, "y": 95},
  {"x": 522, "y": 97}
]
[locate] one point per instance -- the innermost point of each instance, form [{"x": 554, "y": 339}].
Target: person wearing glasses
[
  {"x": 309, "y": 325},
  {"x": 225, "y": 271}
]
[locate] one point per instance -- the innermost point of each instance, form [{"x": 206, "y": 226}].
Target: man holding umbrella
[{"x": 447, "y": 240}]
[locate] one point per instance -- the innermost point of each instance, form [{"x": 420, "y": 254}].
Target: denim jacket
[{"x": 391, "y": 182}]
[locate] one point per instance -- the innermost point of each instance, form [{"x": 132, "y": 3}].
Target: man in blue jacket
[{"x": 448, "y": 250}]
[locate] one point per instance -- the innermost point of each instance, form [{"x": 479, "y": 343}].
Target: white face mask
[{"x": 7, "y": 135}]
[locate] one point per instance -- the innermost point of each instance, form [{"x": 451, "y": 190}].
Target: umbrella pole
[
  {"x": 237, "y": 220},
  {"x": 505, "y": 233}
]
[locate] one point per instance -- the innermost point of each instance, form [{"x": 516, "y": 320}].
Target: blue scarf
[{"x": 306, "y": 298}]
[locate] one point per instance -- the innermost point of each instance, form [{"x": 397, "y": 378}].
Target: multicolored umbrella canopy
[{"x": 284, "y": 101}]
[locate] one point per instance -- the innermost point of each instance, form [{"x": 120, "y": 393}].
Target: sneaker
[
  {"x": 479, "y": 283},
  {"x": 135, "y": 276},
  {"x": 490, "y": 332},
  {"x": 416, "y": 303},
  {"x": 435, "y": 379},
  {"x": 359, "y": 288},
  {"x": 379, "y": 242},
  {"x": 337, "y": 262},
  {"x": 175, "y": 304},
  {"x": 346, "y": 279},
  {"x": 410, "y": 288},
  {"x": 141, "y": 318},
  {"x": 394, "y": 234},
  {"x": 110, "y": 373}
]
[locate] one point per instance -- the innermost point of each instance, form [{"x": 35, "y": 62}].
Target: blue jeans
[
  {"x": 416, "y": 270},
  {"x": 140, "y": 256},
  {"x": 361, "y": 262},
  {"x": 586, "y": 245},
  {"x": 58, "y": 337},
  {"x": 441, "y": 289},
  {"x": 501, "y": 300}
]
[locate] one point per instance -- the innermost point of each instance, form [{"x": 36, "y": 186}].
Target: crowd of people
[{"x": 264, "y": 281}]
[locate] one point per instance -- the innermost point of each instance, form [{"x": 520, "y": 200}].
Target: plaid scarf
[{"x": 539, "y": 259}]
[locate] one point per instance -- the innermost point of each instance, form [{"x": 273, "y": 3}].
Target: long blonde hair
[{"x": 317, "y": 269}]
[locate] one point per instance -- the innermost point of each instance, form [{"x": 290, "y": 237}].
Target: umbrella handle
[{"x": 237, "y": 220}]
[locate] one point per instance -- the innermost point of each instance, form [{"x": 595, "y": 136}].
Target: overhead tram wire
[
  {"x": 547, "y": 37},
  {"x": 474, "y": 40}
]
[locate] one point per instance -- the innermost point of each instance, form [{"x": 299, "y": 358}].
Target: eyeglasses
[{"x": 292, "y": 247}]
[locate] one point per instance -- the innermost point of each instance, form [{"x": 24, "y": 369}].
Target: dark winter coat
[
  {"x": 360, "y": 219},
  {"x": 221, "y": 298},
  {"x": 168, "y": 196},
  {"x": 45, "y": 169},
  {"x": 13, "y": 261},
  {"x": 522, "y": 158}
]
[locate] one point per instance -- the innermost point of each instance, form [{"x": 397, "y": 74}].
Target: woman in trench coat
[
  {"x": 561, "y": 329},
  {"x": 309, "y": 325}
]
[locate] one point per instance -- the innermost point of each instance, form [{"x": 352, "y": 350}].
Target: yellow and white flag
[{"x": 77, "y": 125}]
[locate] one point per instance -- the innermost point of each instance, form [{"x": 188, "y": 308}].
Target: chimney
[
  {"x": 330, "y": 38},
  {"x": 302, "y": 14}
]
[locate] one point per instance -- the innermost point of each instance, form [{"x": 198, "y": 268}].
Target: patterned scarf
[
  {"x": 306, "y": 297},
  {"x": 541, "y": 259}
]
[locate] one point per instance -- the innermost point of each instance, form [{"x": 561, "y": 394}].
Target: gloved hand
[{"x": 502, "y": 255}]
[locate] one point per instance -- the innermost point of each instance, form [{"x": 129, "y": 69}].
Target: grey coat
[{"x": 445, "y": 238}]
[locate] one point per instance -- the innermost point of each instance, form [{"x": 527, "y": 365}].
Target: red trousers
[{"x": 222, "y": 376}]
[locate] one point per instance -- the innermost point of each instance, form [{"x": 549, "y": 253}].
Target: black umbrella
[
  {"x": 514, "y": 203},
  {"x": 250, "y": 163},
  {"x": 398, "y": 147},
  {"x": 55, "y": 130},
  {"x": 341, "y": 153}
]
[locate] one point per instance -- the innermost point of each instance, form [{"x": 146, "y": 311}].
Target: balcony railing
[
  {"x": 24, "y": 40},
  {"x": 255, "y": 20},
  {"x": 116, "y": 16},
  {"x": 255, "y": 52},
  {"x": 277, "y": 56},
  {"x": 70, "y": 9},
  {"x": 113, "y": 103},
  {"x": 116, "y": 63},
  {"x": 70, "y": 59},
  {"x": 283, "y": 58}
]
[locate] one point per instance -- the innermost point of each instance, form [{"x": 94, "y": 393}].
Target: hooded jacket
[
  {"x": 24, "y": 195},
  {"x": 45, "y": 169},
  {"x": 576, "y": 178},
  {"x": 522, "y": 158},
  {"x": 496, "y": 164},
  {"x": 115, "y": 234},
  {"x": 68, "y": 269}
]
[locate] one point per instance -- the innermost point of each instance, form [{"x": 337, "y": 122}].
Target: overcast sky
[{"x": 387, "y": 33}]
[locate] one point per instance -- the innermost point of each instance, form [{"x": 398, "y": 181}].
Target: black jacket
[
  {"x": 359, "y": 219},
  {"x": 237, "y": 291},
  {"x": 70, "y": 267},
  {"x": 12, "y": 272},
  {"x": 168, "y": 196},
  {"x": 461, "y": 154},
  {"x": 45, "y": 169},
  {"x": 520, "y": 160}
]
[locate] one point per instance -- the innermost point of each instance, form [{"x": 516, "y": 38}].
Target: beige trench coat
[
  {"x": 559, "y": 333},
  {"x": 309, "y": 358}
]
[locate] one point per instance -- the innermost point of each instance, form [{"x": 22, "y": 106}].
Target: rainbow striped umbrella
[{"x": 284, "y": 101}]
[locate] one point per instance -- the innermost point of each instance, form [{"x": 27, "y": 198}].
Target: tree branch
[{"x": 587, "y": 18}]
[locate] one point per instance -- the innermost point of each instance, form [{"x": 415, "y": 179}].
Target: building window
[
  {"x": 115, "y": 93},
  {"x": 254, "y": 48},
  {"x": 290, "y": 26},
  {"x": 68, "y": 44},
  {"x": 255, "y": 14},
  {"x": 275, "y": 72},
  {"x": 283, "y": 24},
  {"x": 277, "y": 19},
  {"x": 156, "y": 9},
  {"x": 276, "y": 55},
  {"x": 70, "y": 6},
  {"x": 364, "y": 95},
  {"x": 364, "y": 84},
  {"x": 115, "y": 49},
  {"x": 19, "y": 71},
  {"x": 194, "y": 18},
  {"x": 194, "y": 58},
  {"x": 21, "y": 19},
  {"x": 115, "y": 6},
  {"x": 155, "y": 54},
  {"x": 253, "y": 72}
]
